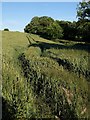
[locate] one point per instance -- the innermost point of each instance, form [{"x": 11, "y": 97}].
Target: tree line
[{"x": 49, "y": 28}]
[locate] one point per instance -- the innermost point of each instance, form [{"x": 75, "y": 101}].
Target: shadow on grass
[
  {"x": 7, "y": 110},
  {"x": 80, "y": 46},
  {"x": 43, "y": 46}
]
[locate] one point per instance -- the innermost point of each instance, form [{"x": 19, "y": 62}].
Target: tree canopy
[
  {"x": 49, "y": 28},
  {"x": 44, "y": 26},
  {"x": 83, "y": 10}
]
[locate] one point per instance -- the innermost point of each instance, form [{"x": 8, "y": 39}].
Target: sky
[{"x": 16, "y": 15}]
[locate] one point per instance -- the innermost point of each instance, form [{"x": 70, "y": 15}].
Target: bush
[{"x": 6, "y": 29}]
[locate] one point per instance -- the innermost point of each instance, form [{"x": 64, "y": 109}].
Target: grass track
[{"x": 32, "y": 101}]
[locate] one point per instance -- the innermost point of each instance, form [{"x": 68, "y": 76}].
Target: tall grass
[
  {"x": 63, "y": 92},
  {"x": 78, "y": 60},
  {"x": 36, "y": 86}
]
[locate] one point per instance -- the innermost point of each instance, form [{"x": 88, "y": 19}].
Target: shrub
[{"x": 6, "y": 29}]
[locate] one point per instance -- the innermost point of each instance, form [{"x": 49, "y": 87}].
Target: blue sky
[{"x": 15, "y": 15}]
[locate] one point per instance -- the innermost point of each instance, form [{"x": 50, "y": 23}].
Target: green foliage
[
  {"x": 83, "y": 10},
  {"x": 78, "y": 31},
  {"x": 69, "y": 29},
  {"x": 83, "y": 30},
  {"x": 49, "y": 28},
  {"x": 45, "y": 27},
  {"x": 54, "y": 31}
]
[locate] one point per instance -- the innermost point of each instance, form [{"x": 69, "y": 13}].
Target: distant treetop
[
  {"x": 6, "y": 29},
  {"x": 44, "y": 26},
  {"x": 83, "y": 10}
]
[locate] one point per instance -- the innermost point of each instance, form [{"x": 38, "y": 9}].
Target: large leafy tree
[
  {"x": 44, "y": 26},
  {"x": 32, "y": 26},
  {"x": 83, "y": 23},
  {"x": 69, "y": 29},
  {"x": 83, "y": 31},
  {"x": 83, "y": 10},
  {"x": 54, "y": 31}
]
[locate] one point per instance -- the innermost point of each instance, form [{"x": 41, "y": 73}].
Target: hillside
[{"x": 44, "y": 78}]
